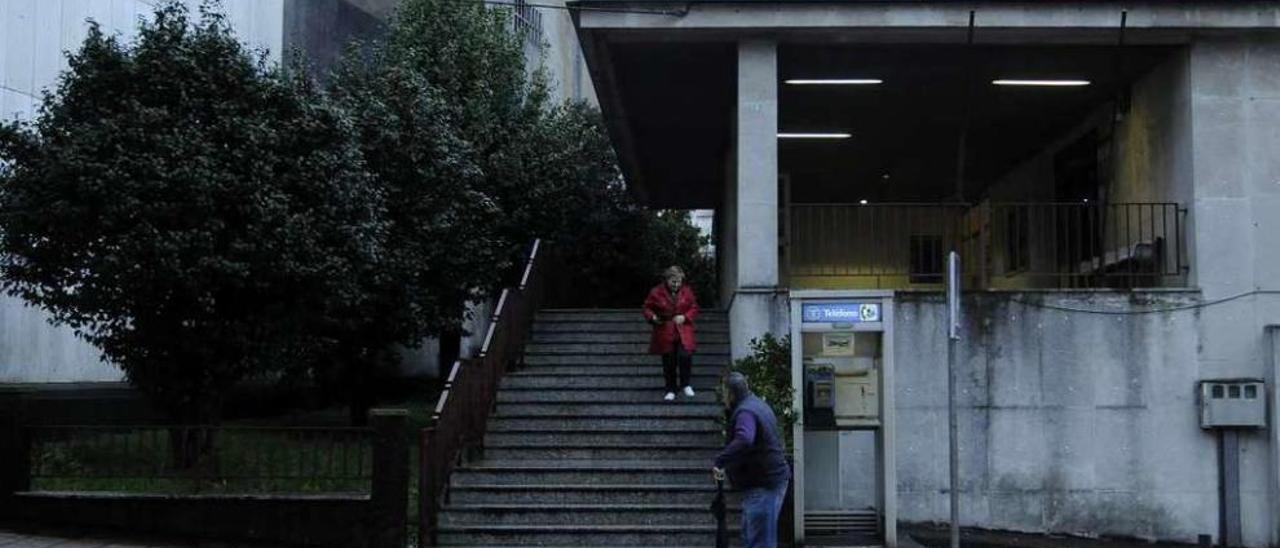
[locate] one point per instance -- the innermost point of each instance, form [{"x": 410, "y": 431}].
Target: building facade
[{"x": 1107, "y": 173}]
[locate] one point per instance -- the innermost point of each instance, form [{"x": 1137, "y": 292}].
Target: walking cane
[{"x": 718, "y": 509}]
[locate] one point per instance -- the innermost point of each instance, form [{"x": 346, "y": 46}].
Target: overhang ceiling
[{"x": 672, "y": 106}]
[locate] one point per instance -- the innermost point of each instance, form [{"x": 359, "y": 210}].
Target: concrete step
[
  {"x": 651, "y": 381},
  {"x": 615, "y": 395},
  {"x": 591, "y": 424},
  {"x": 604, "y": 438},
  {"x": 612, "y": 371},
  {"x": 580, "y": 472},
  {"x": 639, "y": 326},
  {"x": 594, "y": 452},
  {"x": 618, "y": 315},
  {"x": 631, "y": 410},
  {"x": 588, "y": 494},
  {"x": 578, "y": 535},
  {"x": 583, "y": 514},
  {"x": 635, "y": 337},
  {"x": 714, "y": 360},
  {"x": 613, "y": 348}
]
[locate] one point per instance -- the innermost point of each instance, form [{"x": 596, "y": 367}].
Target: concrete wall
[
  {"x": 562, "y": 57},
  {"x": 34, "y": 34},
  {"x": 1069, "y": 422},
  {"x": 321, "y": 29}
]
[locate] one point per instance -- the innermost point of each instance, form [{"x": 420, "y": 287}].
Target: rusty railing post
[
  {"x": 426, "y": 491},
  {"x": 389, "y": 493}
]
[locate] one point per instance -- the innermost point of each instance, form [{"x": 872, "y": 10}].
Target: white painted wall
[{"x": 34, "y": 34}]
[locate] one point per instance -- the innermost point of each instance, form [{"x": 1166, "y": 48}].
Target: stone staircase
[{"x": 583, "y": 451}]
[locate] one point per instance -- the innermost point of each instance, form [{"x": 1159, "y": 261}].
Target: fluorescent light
[
  {"x": 1043, "y": 83},
  {"x": 814, "y": 135},
  {"x": 835, "y": 81}
]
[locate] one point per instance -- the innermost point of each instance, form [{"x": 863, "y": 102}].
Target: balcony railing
[{"x": 1013, "y": 245}]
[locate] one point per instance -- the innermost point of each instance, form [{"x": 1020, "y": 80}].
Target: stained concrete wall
[
  {"x": 561, "y": 55},
  {"x": 1069, "y": 422},
  {"x": 34, "y": 34}
]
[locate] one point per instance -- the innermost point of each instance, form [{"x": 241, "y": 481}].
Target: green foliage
[
  {"x": 670, "y": 239},
  {"x": 186, "y": 210},
  {"x": 468, "y": 55},
  {"x": 442, "y": 246},
  {"x": 622, "y": 249},
  {"x": 768, "y": 372}
]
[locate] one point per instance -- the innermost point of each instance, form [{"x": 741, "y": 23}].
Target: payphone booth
[{"x": 842, "y": 366}]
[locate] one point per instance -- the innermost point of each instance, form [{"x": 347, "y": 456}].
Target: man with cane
[{"x": 754, "y": 462}]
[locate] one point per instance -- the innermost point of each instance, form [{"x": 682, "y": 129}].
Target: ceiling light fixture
[
  {"x": 835, "y": 81},
  {"x": 814, "y": 135},
  {"x": 1041, "y": 83}
]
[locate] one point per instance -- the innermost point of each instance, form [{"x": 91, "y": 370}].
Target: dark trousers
[{"x": 680, "y": 357}]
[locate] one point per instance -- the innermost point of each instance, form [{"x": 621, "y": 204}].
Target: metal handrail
[{"x": 470, "y": 392}]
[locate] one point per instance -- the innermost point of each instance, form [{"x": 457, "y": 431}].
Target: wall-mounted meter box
[{"x": 1233, "y": 403}]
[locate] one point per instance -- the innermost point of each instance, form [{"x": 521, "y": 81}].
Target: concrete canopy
[{"x": 665, "y": 75}]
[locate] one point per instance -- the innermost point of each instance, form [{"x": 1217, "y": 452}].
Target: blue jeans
[{"x": 760, "y": 509}]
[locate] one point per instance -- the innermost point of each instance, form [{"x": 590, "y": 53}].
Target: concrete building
[{"x": 1108, "y": 173}]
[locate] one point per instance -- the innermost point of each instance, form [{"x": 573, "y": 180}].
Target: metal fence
[
  {"x": 199, "y": 459},
  {"x": 1025, "y": 245}
]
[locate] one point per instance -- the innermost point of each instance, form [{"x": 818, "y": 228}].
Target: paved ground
[
  {"x": 939, "y": 537},
  {"x": 37, "y": 538}
]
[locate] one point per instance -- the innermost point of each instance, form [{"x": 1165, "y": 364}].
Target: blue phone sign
[{"x": 836, "y": 312}]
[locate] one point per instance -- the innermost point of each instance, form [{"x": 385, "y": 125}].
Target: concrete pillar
[
  {"x": 755, "y": 306},
  {"x": 1235, "y": 113}
]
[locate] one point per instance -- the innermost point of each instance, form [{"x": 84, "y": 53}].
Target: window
[
  {"x": 926, "y": 259},
  {"x": 526, "y": 21}
]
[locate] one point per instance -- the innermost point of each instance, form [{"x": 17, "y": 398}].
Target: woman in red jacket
[{"x": 671, "y": 309}]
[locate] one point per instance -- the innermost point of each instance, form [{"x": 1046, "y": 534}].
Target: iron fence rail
[{"x": 1029, "y": 245}]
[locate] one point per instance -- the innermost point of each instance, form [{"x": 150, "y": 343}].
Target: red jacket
[{"x": 658, "y": 305}]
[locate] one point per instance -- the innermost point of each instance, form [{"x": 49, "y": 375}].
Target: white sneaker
[
  {"x": 671, "y": 396},
  {"x": 688, "y": 391}
]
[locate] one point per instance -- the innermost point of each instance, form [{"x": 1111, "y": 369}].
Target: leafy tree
[
  {"x": 195, "y": 215},
  {"x": 476, "y": 161},
  {"x": 469, "y": 53},
  {"x": 442, "y": 247}
]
